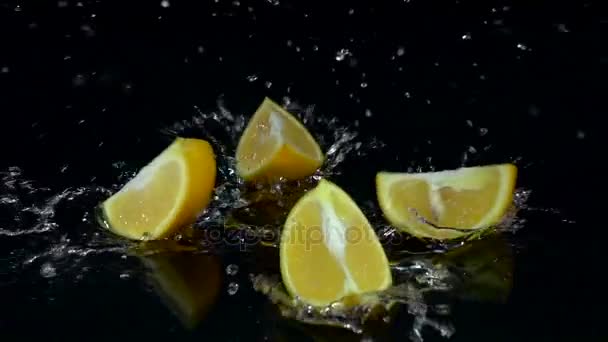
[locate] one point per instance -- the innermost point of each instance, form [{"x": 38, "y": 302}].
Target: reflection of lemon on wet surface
[
  {"x": 190, "y": 283},
  {"x": 166, "y": 194},
  {"x": 275, "y": 144},
  {"x": 467, "y": 199},
  {"x": 329, "y": 251}
]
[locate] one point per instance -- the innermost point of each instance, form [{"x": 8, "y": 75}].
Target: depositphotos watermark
[{"x": 308, "y": 237}]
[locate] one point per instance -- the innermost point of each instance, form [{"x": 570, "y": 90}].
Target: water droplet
[
  {"x": 469, "y": 123},
  {"x": 273, "y": 2},
  {"x": 342, "y": 54},
  {"x": 236, "y": 3},
  {"x": 472, "y": 149},
  {"x": 62, "y": 4},
  {"x": 252, "y": 78},
  {"x": 580, "y": 134},
  {"x": 534, "y": 111},
  {"x": 200, "y": 49},
  {"x": 466, "y": 36},
  {"x": 125, "y": 276},
  {"x": 47, "y": 270},
  {"x": 79, "y": 80},
  {"x": 268, "y": 84},
  {"x": 165, "y": 4},
  {"x": 522, "y": 47},
  {"x": 232, "y": 269},
  {"x": 483, "y": 131},
  {"x": 407, "y": 95},
  {"x": 233, "y": 288},
  {"x": 482, "y": 77},
  {"x": 562, "y": 28},
  {"x": 88, "y": 30},
  {"x": 4, "y": 70},
  {"x": 315, "y": 48},
  {"x": 400, "y": 51},
  {"x": 289, "y": 43},
  {"x": 363, "y": 84},
  {"x": 368, "y": 113},
  {"x": 351, "y": 11}
]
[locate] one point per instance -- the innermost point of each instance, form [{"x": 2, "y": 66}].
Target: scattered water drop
[
  {"x": 4, "y": 70},
  {"x": 273, "y": 2},
  {"x": 466, "y": 36},
  {"x": 400, "y": 51},
  {"x": 483, "y": 131},
  {"x": 469, "y": 123},
  {"x": 252, "y": 78},
  {"x": 232, "y": 269},
  {"x": 363, "y": 84},
  {"x": 125, "y": 276},
  {"x": 47, "y": 270},
  {"x": 268, "y": 84},
  {"x": 165, "y": 4},
  {"x": 233, "y": 288},
  {"x": 62, "y": 4},
  {"x": 368, "y": 113},
  {"x": 342, "y": 54},
  {"x": 79, "y": 80},
  {"x": 580, "y": 134},
  {"x": 562, "y": 28},
  {"x": 407, "y": 95},
  {"x": 351, "y": 11},
  {"x": 88, "y": 30},
  {"x": 522, "y": 47}
]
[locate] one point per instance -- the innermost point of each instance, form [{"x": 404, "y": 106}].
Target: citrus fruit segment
[
  {"x": 469, "y": 198},
  {"x": 329, "y": 250},
  {"x": 166, "y": 194},
  {"x": 275, "y": 144}
]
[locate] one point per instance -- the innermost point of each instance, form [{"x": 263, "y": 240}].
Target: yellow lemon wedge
[
  {"x": 275, "y": 144},
  {"x": 166, "y": 194},
  {"x": 189, "y": 283},
  {"x": 329, "y": 251},
  {"x": 469, "y": 198}
]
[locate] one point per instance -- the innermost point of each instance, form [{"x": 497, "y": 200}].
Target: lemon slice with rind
[
  {"x": 446, "y": 204},
  {"x": 329, "y": 251},
  {"x": 276, "y": 145},
  {"x": 166, "y": 194}
]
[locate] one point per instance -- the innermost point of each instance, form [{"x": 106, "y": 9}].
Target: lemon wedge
[
  {"x": 166, "y": 194},
  {"x": 329, "y": 251},
  {"x": 275, "y": 144},
  {"x": 466, "y": 199}
]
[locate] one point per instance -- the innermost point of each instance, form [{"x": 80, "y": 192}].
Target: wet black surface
[{"x": 86, "y": 84}]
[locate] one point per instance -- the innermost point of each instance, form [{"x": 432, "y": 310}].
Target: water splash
[{"x": 426, "y": 286}]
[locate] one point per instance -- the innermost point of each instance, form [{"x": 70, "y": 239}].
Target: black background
[{"x": 86, "y": 84}]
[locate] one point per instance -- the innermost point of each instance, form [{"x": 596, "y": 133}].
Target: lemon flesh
[
  {"x": 166, "y": 194},
  {"x": 329, "y": 251},
  {"x": 468, "y": 198},
  {"x": 275, "y": 144}
]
